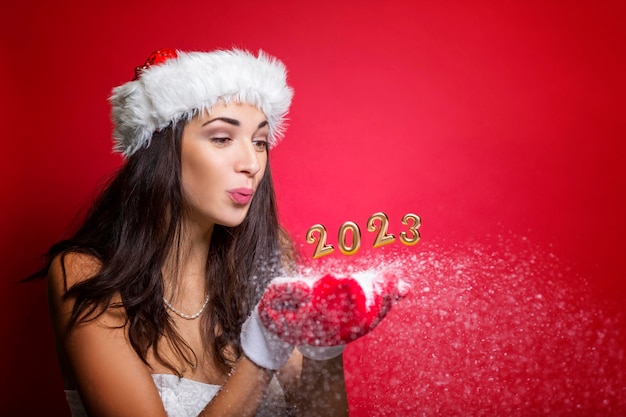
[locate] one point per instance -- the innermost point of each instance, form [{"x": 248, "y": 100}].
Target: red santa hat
[{"x": 174, "y": 85}]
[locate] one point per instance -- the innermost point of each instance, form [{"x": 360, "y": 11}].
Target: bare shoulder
[
  {"x": 96, "y": 356},
  {"x": 70, "y": 268},
  {"x": 67, "y": 270}
]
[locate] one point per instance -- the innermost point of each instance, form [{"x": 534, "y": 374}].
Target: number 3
[{"x": 414, "y": 238}]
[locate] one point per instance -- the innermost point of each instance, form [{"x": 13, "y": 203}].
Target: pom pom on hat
[{"x": 174, "y": 85}]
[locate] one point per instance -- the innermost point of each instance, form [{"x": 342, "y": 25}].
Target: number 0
[{"x": 356, "y": 238}]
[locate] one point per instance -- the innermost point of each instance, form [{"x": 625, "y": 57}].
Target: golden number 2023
[{"x": 377, "y": 223}]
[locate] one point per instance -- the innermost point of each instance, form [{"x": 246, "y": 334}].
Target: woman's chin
[{"x": 232, "y": 221}]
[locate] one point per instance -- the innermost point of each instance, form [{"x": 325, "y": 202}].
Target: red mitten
[{"x": 329, "y": 311}]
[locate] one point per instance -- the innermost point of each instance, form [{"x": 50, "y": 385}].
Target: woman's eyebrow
[
  {"x": 228, "y": 120},
  {"x": 233, "y": 122}
]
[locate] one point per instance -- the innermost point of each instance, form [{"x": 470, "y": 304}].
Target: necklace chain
[{"x": 183, "y": 315}]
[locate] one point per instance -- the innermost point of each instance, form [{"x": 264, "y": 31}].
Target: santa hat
[{"x": 174, "y": 85}]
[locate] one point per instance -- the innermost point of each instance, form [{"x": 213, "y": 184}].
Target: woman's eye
[
  {"x": 220, "y": 140},
  {"x": 260, "y": 145}
]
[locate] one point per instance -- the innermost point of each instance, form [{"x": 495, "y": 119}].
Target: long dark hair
[{"x": 132, "y": 227}]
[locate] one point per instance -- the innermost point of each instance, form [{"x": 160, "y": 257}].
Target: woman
[{"x": 151, "y": 298}]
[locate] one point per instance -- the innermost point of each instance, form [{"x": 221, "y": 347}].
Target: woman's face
[{"x": 224, "y": 155}]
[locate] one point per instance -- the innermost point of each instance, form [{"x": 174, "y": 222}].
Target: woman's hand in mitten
[{"x": 329, "y": 311}]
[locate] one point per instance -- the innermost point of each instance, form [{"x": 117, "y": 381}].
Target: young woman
[{"x": 153, "y": 298}]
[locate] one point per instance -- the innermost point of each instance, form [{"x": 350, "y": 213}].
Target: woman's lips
[{"x": 241, "y": 195}]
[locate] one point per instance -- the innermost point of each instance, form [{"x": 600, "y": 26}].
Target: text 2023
[{"x": 377, "y": 223}]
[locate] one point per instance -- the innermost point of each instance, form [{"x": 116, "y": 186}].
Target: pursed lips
[{"x": 241, "y": 195}]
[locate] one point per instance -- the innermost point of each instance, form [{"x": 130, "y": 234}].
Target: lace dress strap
[{"x": 186, "y": 398}]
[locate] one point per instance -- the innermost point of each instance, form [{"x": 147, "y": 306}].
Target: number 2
[
  {"x": 382, "y": 237},
  {"x": 321, "y": 248}
]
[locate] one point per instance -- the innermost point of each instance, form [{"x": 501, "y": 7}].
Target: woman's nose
[{"x": 248, "y": 159}]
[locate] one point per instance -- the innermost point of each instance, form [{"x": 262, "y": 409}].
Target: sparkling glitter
[{"x": 487, "y": 330}]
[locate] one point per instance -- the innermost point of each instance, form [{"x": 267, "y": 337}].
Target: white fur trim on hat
[{"x": 193, "y": 82}]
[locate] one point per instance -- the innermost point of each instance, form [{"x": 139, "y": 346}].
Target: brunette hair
[{"x": 132, "y": 227}]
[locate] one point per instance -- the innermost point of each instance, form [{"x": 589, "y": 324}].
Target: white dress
[{"x": 186, "y": 398}]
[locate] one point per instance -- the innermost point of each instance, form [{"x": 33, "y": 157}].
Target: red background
[{"x": 484, "y": 118}]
